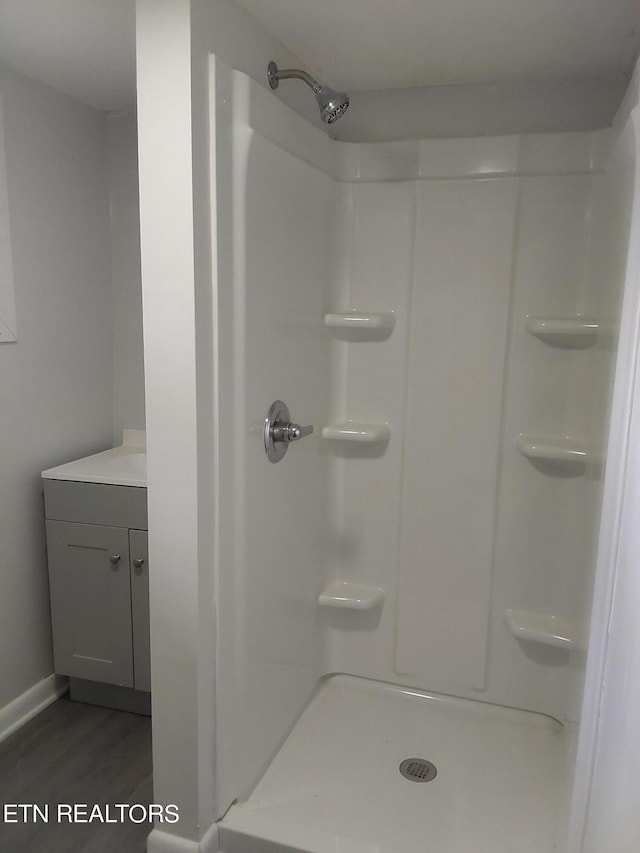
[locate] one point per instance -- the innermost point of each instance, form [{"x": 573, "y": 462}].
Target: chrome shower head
[{"x": 333, "y": 105}]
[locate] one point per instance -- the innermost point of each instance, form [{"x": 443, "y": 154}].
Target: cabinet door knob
[
  {"x": 139, "y": 561},
  {"x": 114, "y": 558}
]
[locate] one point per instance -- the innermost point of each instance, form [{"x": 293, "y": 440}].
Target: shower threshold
[{"x": 335, "y": 785}]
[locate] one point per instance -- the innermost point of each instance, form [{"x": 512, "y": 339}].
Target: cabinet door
[
  {"x": 140, "y": 608},
  {"x": 90, "y": 601}
]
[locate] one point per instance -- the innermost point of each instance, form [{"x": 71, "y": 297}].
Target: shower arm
[{"x": 276, "y": 74}]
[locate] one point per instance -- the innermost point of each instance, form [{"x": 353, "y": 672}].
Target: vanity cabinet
[{"x": 99, "y": 583}]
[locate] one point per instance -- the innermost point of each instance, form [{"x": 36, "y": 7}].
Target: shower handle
[
  {"x": 279, "y": 432},
  {"x": 290, "y": 432}
]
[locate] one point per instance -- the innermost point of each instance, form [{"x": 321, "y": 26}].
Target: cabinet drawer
[{"x": 96, "y": 503}]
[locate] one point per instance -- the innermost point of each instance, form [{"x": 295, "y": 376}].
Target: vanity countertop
[{"x": 125, "y": 465}]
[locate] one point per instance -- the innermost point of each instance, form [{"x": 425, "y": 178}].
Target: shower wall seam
[
  {"x": 405, "y": 397},
  {"x": 515, "y": 242}
]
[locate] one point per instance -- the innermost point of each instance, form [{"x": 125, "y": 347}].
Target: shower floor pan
[{"x": 335, "y": 785}]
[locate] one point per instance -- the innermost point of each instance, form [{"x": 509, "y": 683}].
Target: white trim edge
[{"x": 26, "y": 706}]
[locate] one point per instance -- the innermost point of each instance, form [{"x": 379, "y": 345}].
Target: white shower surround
[
  {"x": 175, "y": 146},
  {"x": 308, "y": 226}
]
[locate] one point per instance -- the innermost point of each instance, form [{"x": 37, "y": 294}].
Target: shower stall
[
  {"x": 393, "y": 639},
  {"x": 414, "y": 579}
]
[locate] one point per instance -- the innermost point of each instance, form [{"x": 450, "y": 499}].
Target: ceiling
[
  {"x": 87, "y": 47},
  {"x": 389, "y": 44}
]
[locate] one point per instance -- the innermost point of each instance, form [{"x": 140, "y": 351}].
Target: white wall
[
  {"x": 167, "y": 250},
  {"x": 227, "y": 30},
  {"x": 175, "y": 39},
  {"x": 481, "y": 109},
  {"x": 124, "y": 221},
  {"x": 57, "y": 379}
]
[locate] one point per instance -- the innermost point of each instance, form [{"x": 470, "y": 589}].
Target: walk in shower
[{"x": 413, "y": 580}]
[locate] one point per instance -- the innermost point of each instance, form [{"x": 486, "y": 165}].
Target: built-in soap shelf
[
  {"x": 356, "y": 431},
  {"x": 360, "y": 320},
  {"x": 542, "y": 628},
  {"x": 361, "y": 325},
  {"x": 351, "y": 596},
  {"x": 558, "y": 449},
  {"x": 569, "y": 332}
]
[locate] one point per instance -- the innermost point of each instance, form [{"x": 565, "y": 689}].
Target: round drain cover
[{"x": 418, "y": 770}]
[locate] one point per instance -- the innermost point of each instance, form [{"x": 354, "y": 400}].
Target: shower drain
[{"x": 418, "y": 770}]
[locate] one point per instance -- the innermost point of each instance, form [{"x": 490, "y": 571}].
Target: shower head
[{"x": 333, "y": 105}]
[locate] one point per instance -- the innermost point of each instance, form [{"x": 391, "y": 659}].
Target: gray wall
[
  {"x": 56, "y": 381},
  {"x": 124, "y": 214}
]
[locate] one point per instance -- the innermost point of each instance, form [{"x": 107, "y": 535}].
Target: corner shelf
[
  {"x": 351, "y": 596},
  {"x": 570, "y": 332},
  {"x": 356, "y": 431},
  {"x": 361, "y": 325},
  {"x": 542, "y": 628},
  {"x": 564, "y": 449}
]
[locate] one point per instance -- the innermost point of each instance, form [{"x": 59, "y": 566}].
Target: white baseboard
[
  {"x": 164, "y": 842},
  {"x": 31, "y": 702}
]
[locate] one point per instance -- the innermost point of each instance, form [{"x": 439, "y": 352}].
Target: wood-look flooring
[{"x": 76, "y": 753}]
